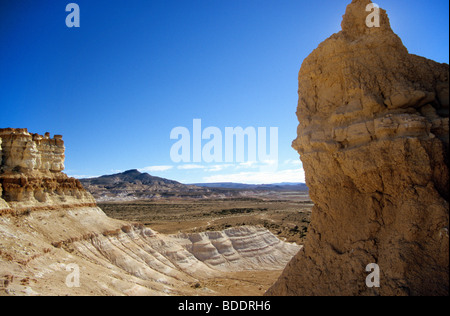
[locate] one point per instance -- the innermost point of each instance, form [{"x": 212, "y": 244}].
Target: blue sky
[{"x": 135, "y": 69}]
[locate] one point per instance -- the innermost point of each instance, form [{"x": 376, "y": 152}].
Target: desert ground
[{"x": 287, "y": 217}]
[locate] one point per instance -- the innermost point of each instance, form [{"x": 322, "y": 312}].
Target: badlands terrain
[
  {"x": 288, "y": 220},
  {"x": 134, "y": 185},
  {"x": 373, "y": 137}
]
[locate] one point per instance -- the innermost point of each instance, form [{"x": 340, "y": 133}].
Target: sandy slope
[{"x": 40, "y": 251}]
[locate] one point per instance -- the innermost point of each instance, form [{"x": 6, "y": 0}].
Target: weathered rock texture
[
  {"x": 373, "y": 138},
  {"x": 241, "y": 248},
  {"x": 3, "y": 205},
  {"x": 50, "y": 227},
  {"x": 31, "y": 174}
]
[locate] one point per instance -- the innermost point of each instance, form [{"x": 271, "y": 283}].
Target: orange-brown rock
[
  {"x": 31, "y": 174},
  {"x": 373, "y": 138}
]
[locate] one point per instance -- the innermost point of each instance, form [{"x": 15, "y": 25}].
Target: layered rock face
[
  {"x": 134, "y": 185},
  {"x": 31, "y": 173},
  {"x": 374, "y": 138},
  {"x": 54, "y": 240},
  {"x": 3, "y": 205},
  {"x": 239, "y": 248},
  {"x": 39, "y": 253}
]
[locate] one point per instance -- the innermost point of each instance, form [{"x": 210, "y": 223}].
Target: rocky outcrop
[
  {"x": 54, "y": 240},
  {"x": 135, "y": 185},
  {"x": 40, "y": 251},
  {"x": 374, "y": 138},
  {"x": 31, "y": 174}
]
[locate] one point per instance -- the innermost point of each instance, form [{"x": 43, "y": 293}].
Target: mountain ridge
[{"x": 135, "y": 185}]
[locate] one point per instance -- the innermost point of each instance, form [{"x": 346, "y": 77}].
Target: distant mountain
[
  {"x": 129, "y": 177},
  {"x": 134, "y": 185}
]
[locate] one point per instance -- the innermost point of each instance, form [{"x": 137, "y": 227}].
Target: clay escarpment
[
  {"x": 31, "y": 174},
  {"x": 122, "y": 258},
  {"x": 239, "y": 248},
  {"x": 373, "y": 139},
  {"x": 49, "y": 224}
]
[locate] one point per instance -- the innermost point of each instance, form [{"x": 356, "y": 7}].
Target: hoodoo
[{"x": 373, "y": 137}]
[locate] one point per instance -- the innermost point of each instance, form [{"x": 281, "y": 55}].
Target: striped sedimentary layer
[
  {"x": 31, "y": 174},
  {"x": 121, "y": 258},
  {"x": 243, "y": 248}
]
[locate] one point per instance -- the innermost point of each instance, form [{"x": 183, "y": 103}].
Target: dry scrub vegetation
[{"x": 286, "y": 219}]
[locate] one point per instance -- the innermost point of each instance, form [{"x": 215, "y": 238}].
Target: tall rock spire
[{"x": 373, "y": 138}]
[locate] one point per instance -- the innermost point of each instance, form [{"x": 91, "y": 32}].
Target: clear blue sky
[{"x": 135, "y": 69}]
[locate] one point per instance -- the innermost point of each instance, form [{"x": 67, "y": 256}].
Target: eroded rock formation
[
  {"x": 373, "y": 137},
  {"x": 31, "y": 174},
  {"x": 3, "y": 205},
  {"x": 239, "y": 248},
  {"x": 40, "y": 250},
  {"x": 50, "y": 227}
]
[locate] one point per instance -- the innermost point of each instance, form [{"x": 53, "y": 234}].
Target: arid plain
[{"x": 286, "y": 214}]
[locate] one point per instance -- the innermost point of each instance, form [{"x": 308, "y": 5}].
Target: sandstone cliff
[
  {"x": 373, "y": 137},
  {"x": 54, "y": 240},
  {"x": 31, "y": 174}
]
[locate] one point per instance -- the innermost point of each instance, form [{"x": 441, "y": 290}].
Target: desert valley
[
  {"x": 190, "y": 240},
  {"x": 373, "y": 138}
]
